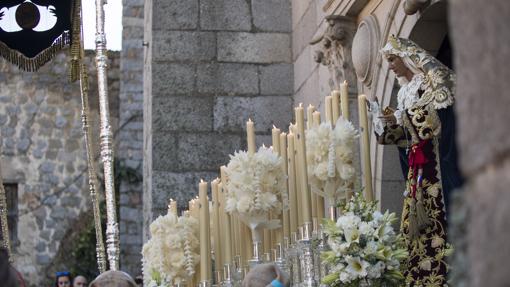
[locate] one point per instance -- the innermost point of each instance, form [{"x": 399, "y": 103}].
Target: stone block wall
[
  {"x": 130, "y": 137},
  {"x": 484, "y": 144},
  {"x": 209, "y": 66},
  {"x": 43, "y": 152}
]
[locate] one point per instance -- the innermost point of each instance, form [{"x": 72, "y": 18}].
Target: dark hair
[{"x": 59, "y": 274}]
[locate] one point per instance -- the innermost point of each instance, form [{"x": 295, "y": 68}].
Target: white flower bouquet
[
  {"x": 329, "y": 156},
  {"x": 171, "y": 254},
  {"x": 255, "y": 185},
  {"x": 365, "y": 250}
]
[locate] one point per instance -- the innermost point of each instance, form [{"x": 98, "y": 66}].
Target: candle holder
[
  {"x": 333, "y": 213},
  {"x": 217, "y": 278},
  {"x": 280, "y": 257},
  {"x": 293, "y": 257},
  {"x": 256, "y": 259},
  {"x": 237, "y": 276},
  {"x": 306, "y": 257},
  {"x": 227, "y": 275},
  {"x": 321, "y": 269}
]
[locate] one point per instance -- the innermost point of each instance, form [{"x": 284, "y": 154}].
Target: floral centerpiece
[
  {"x": 254, "y": 187},
  {"x": 171, "y": 254},
  {"x": 329, "y": 156},
  {"x": 365, "y": 250}
]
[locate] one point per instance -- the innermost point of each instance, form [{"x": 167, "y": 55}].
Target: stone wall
[
  {"x": 209, "y": 66},
  {"x": 484, "y": 143},
  {"x": 130, "y": 138},
  {"x": 43, "y": 152}
]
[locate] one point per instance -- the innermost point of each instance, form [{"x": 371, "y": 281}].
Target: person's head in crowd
[
  {"x": 266, "y": 275},
  {"x": 113, "y": 279},
  {"x": 139, "y": 280},
  {"x": 63, "y": 279},
  {"x": 80, "y": 281}
]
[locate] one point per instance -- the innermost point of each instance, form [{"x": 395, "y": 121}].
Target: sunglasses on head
[{"x": 62, "y": 273}]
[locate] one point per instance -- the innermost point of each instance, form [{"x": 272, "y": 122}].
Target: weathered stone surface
[
  {"x": 231, "y": 113},
  {"x": 304, "y": 67},
  {"x": 481, "y": 76},
  {"x": 42, "y": 151},
  {"x": 205, "y": 151},
  {"x": 276, "y": 79},
  {"x": 489, "y": 226},
  {"x": 233, "y": 15},
  {"x": 184, "y": 45},
  {"x": 164, "y": 151},
  {"x": 304, "y": 30},
  {"x": 272, "y": 15},
  {"x": 254, "y": 47},
  {"x": 179, "y": 186},
  {"x": 176, "y": 113},
  {"x": 299, "y": 7},
  {"x": 173, "y": 78},
  {"x": 227, "y": 78},
  {"x": 175, "y": 14}
]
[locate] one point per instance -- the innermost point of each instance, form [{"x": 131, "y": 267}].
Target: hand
[{"x": 388, "y": 120}]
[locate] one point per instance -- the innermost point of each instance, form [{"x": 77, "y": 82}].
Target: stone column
[
  {"x": 130, "y": 137},
  {"x": 209, "y": 66},
  {"x": 481, "y": 42}
]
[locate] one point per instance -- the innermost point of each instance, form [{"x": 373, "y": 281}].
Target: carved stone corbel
[
  {"x": 335, "y": 50},
  {"x": 413, "y": 6}
]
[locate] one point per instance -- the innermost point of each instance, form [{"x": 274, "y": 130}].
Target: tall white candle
[
  {"x": 205, "y": 236},
  {"x": 365, "y": 147},
  {"x": 250, "y": 135}
]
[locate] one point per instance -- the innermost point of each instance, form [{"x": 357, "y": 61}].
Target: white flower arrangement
[
  {"x": 365, "y": 250},
  {"x": 254, "y": 182},
  {"x": 170, "y": 256},
  {"x": 330, "y": 156},
  {"x": 255, "y": 185}
]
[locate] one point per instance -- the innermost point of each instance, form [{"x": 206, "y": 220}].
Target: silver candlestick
[
  {"x": 307, "y": 257},
  {"x": 293, "y": 257},
  {"x": 227, "y": 275},
  {"x": 256, "y": 259}
]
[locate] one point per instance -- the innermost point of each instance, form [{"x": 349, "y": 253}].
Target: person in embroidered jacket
[{"x": 423, "y": 126}]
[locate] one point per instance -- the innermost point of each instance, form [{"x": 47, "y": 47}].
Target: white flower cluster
[
  {"x": 171, "y": 254},
  {"x": 254, "y": 182},
  {"x": 329, "y": 156},
  {"x": 364, "y": 246}
]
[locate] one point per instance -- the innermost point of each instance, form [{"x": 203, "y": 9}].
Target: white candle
[
  {"x": 172, "y": 207},
  {"x": 250, "y": 134},
  {"x": 365, "y": 147},
  {"x": 205, "y": 243},
  {"x": 216, "y": 223},
  {"x": 309, "y": 116},
  {"x": 328, "y": 109},
  {"x": 293, "y": 203},
  {"x": 305, "y": 193},
  {"x": 344, "y": 96},
  {"x": 316, "y": 118},
  {"x": 283, "y": 150},
  {"x": 335, "y": 105},
  {"x": 275, "y": 133}
]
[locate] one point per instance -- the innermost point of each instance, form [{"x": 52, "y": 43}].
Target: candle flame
[
  {"x": 274, "y": 127},
  {"x": 345, "y": 82},
  {"x": 249, "y": 120},
  {"x": 300, "y": 105},
  {"x": 201, "y": 180}
]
